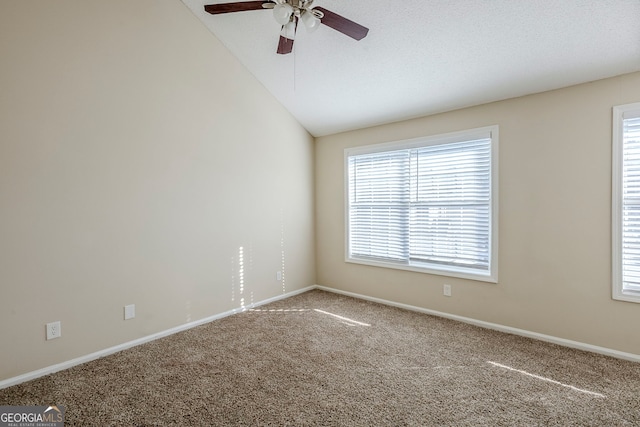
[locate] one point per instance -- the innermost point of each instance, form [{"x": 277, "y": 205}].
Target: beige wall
[
  {"x": 555, "y": 220},
  {"x": 137, "y": 157},
  {"x": 139, "y": 162}
]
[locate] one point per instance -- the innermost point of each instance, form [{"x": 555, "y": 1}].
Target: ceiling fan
[{"x": 288, "y": 12}]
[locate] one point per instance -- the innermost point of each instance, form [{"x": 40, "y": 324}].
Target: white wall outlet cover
[
  {"x": 54, "y": 330},
  {"x": 446, "y": 290},
  {"x": 129, "y": 311},
  {"x": 278, "y": 275}
]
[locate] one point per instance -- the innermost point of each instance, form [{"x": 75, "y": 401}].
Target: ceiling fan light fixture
[
  {"x": 289, "y": 30},
  {"x": 282, "y": 13},
  {"x": 310, "y": 20}
]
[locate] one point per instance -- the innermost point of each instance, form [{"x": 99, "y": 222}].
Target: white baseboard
[
  {"x": 102, "y": 353},
  {"x": 515, "y": 331}
]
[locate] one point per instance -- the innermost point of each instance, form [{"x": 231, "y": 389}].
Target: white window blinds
[
  {"x": 427, "y": 206},
  {"x": 631, "y": 205},
  {"x": 379, "y": 205},
  {"x": 450, "y": 208}
]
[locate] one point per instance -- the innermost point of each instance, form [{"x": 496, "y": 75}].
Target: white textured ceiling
[{"x": 427, "y": 56}]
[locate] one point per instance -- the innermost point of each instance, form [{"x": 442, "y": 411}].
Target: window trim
[
  {"x": 618, "y": 292},
  {"x": 466, "y": 135}
]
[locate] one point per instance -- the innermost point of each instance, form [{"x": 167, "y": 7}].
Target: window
[
  {"x": 428, "y": 204},
  {"x": 626, "y": 203}
]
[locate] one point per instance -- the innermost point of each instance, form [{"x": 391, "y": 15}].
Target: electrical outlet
[
  {"x": 129, "y": 311},
  {"x": 446, "y": 290},
  {"x": 54, "y": 330},
  {"x": 279, "y": 276}
]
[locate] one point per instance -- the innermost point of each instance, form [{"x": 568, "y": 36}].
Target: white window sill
[{"x": 462, "y": 273}]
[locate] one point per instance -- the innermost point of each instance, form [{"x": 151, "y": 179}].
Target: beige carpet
[{"x": 320, "y": 359}]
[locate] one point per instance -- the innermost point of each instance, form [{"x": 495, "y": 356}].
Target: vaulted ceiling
[{"x": 428, "y": 56}]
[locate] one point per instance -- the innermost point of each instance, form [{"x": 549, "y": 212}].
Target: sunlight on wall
[
  {"x": 238, "y": 279},
  {"x": 546, "y": 379},
  {"x": 282, "y": 258},
  {"x": 241, "y": 275},
  {"x": 250, "y": 275}
]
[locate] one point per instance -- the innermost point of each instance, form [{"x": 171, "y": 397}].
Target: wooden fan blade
[
  {"x": 285, "y": 46},
  {"x": 342, "y": 24},
  {"x": 239, "y": 6}
]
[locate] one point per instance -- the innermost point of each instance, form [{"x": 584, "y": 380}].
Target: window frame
[
  {"x": 617, "y": 197},
  {"x": 492, "y": 132}
]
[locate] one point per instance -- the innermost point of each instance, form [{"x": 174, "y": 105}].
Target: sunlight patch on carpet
[
  {"x": 346, "y": 319},
  {"x": 592, "y": 393}
]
